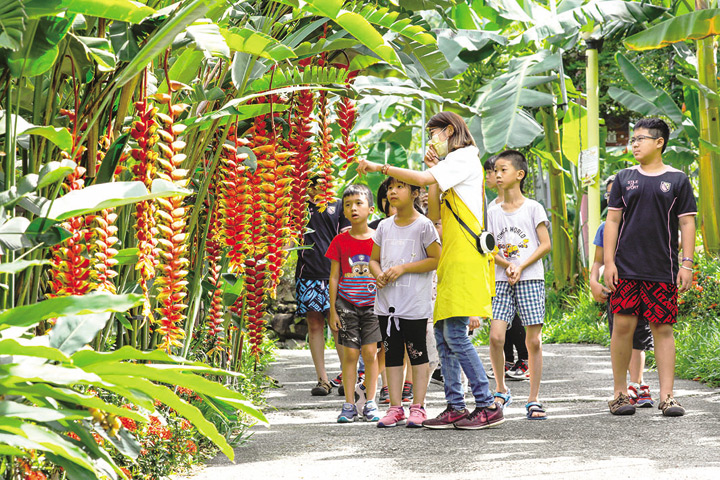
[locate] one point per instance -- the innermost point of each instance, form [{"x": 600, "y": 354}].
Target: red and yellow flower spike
[
  {"x": 346, "y": 112},
  {"x": 171, "y": 224},
  {"x": 300, "y": 142},
  {"x": 326, "y": 192},
  {"x": 143, "y": 131},
  {"x": 72, "y": 273}
]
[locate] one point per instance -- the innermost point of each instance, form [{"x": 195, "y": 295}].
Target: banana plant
[
  {"x": 702, "y": 26},
  {"x": 45, "y": 381}
]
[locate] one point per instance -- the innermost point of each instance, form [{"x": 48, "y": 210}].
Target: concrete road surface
[{"x": 580, "y": 440}]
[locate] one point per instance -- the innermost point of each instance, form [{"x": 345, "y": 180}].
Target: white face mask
[{"x": 440, "y": 146}]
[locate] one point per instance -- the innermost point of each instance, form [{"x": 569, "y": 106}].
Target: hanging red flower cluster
[
  {"x": 171, "y": 224},
  {"x": 346, "y": 112},
  {"x": 103, "y": 238},
  {"x": 300, "y": 143},
  {"x": 72, "y": 272},
  {"x": 143, "y": 131},
  {"x": 325, "y": 192},
  {"x": 234, "y": 200},
  {"x": 213, "y": 255}
]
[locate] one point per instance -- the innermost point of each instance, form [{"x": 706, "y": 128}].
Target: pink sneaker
[
  {"x": 417, "y": 416},
  {"x": 395, "y": 416}
]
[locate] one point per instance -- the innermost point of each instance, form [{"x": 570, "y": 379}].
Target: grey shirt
[{"x": 410, "y": 294}]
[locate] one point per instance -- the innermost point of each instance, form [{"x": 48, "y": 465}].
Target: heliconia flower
[
  {"x": 213, "y": 252},
  {"x": 103, "y": 238},
  {"x": 235, "y": 203},
  {"x": 143, "y": 131},
  {"x": 300, "y": 142},
  {"x": 171, "y": 224},
  {"x": 72, "y": 272},
  {"x": 346, "y": 112},
  {"x": 326, "y": 193}
]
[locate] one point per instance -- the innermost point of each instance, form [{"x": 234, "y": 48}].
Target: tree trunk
[
  {"x": 710, "y": 132},
  {"x": 561, "y": 250}
]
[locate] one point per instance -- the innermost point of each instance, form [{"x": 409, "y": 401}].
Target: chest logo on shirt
[
  {"x": 665, "y": 186},
  {"x": 632, "y": 185},
  {"x": 331, "y": 209},
  {"x": 510, "y": 241},
  {"x": 360, "y": 266}
]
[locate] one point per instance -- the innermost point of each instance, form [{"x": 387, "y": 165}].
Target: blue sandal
[
  {"x": 535, "y": 407},
  {"x": 506, "y": 398}
]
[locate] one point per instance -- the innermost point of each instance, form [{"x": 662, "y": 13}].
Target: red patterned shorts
[{"x": 654, "y": 301}]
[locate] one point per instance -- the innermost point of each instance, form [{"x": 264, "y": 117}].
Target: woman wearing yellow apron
[{"x": 465, "y": 276}]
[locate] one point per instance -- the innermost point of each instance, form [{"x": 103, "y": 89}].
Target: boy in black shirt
[
  {"x": 312, "y": 275},
  {"x": 647, "y": 203}
]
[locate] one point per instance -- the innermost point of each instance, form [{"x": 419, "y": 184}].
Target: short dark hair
[
  {"x": 359, "y": 189},
  {"x": 656, "y": 127},
  {"x": 490, "y": 163},
  {"x": 518, "y": 161}
]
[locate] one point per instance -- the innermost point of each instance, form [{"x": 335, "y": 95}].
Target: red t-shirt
[{"x": 357, "y": 285}]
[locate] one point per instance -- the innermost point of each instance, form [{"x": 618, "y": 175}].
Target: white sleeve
[
  {"x": 539, "y": 215},
  {"x": 453, "y": 170}
]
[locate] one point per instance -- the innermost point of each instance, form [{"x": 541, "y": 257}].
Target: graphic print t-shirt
[
  {"x": 647, "y": 245},
  {"x": 357, "y": 285},
  {"x": 410, "y": 294},
  {"x": 323, "y": 226},
  {"x": 516, "y": 237}
]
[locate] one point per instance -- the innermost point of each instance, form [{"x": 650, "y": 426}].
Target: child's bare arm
[
  {"x": 421, "y": 266},
  {"x": 542, "y": 250},
  {"x": 334, "y": 320},
  {"x": 612, "y": 226},
  {"x": 599, "y": 291},
  {"x": 501, "y": 262},
  {"x": 687, "y": 240},
  {"x": 434, "y": 202},
  {"x": 375, "y": 268}
]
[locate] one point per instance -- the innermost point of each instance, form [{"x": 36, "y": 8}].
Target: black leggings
[
  {"x": 412, "y": 334},
  {"x": 515, "y": 336}
]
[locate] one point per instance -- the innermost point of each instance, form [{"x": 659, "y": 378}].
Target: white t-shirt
[
  {"x": 462, "y": 171},
  {"x": 409, "y": 295},
  {"x": 516, "y": 237}
]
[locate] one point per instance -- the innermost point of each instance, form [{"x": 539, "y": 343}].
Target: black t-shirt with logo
[
  {"x": 651, "y": 204},
  {"x": 324, "y": 226}
]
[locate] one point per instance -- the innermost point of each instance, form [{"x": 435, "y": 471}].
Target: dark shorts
[
  {"x": 401, "y": 333},
  {"x": 642, "y": 338},
  {"x": 656, "y": 302},
  {"x": 312, "y": 296},
  {"x": 358, "y": 325}
]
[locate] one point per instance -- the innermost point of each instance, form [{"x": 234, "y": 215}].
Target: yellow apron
[{"x": 466, "y": 277}]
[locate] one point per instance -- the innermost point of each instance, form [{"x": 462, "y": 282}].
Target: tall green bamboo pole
[
  {"x": 710, "y": 132},
  {"x": 561, "y": 255},
  {"x": 593, "y": 136}
]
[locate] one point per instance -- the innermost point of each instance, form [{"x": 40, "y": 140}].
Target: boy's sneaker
[
  {"x": 437, "y": 377},
  {"x": 632, "y": 392},
  {"x": 482, "y": 417},
  {"x": 519, "y": 371},
  {"x": 509, "y": 366},
  {"x": 370, "y": 412},
  {"x": 360, "y": 397},
  {"x": 621, "y": 405},
  {"x": 644, "y": 399},
  {"x": 671, "y": 408},
  {"x": 384, "y": 397},
  {"x": 395, "y": 416},
  {"x": 446, "y": 419},
  {"x": 407, "y": 393},
  {"x": 322, "y": 389},
  {"x": 348, "y": 414},
  {"x": 337, "y": 381},
  {"x": 417, "y": 416}
]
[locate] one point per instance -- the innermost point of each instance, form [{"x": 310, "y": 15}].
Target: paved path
[{"x": 580, "y": 440}]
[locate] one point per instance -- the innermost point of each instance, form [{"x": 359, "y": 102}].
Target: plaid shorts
[{"x": 526, "y": 298}]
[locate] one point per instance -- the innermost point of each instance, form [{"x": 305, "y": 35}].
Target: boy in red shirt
[{"x": 352, "y": 301}]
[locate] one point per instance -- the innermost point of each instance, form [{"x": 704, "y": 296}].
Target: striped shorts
[{"x": 526, "y": 298}]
